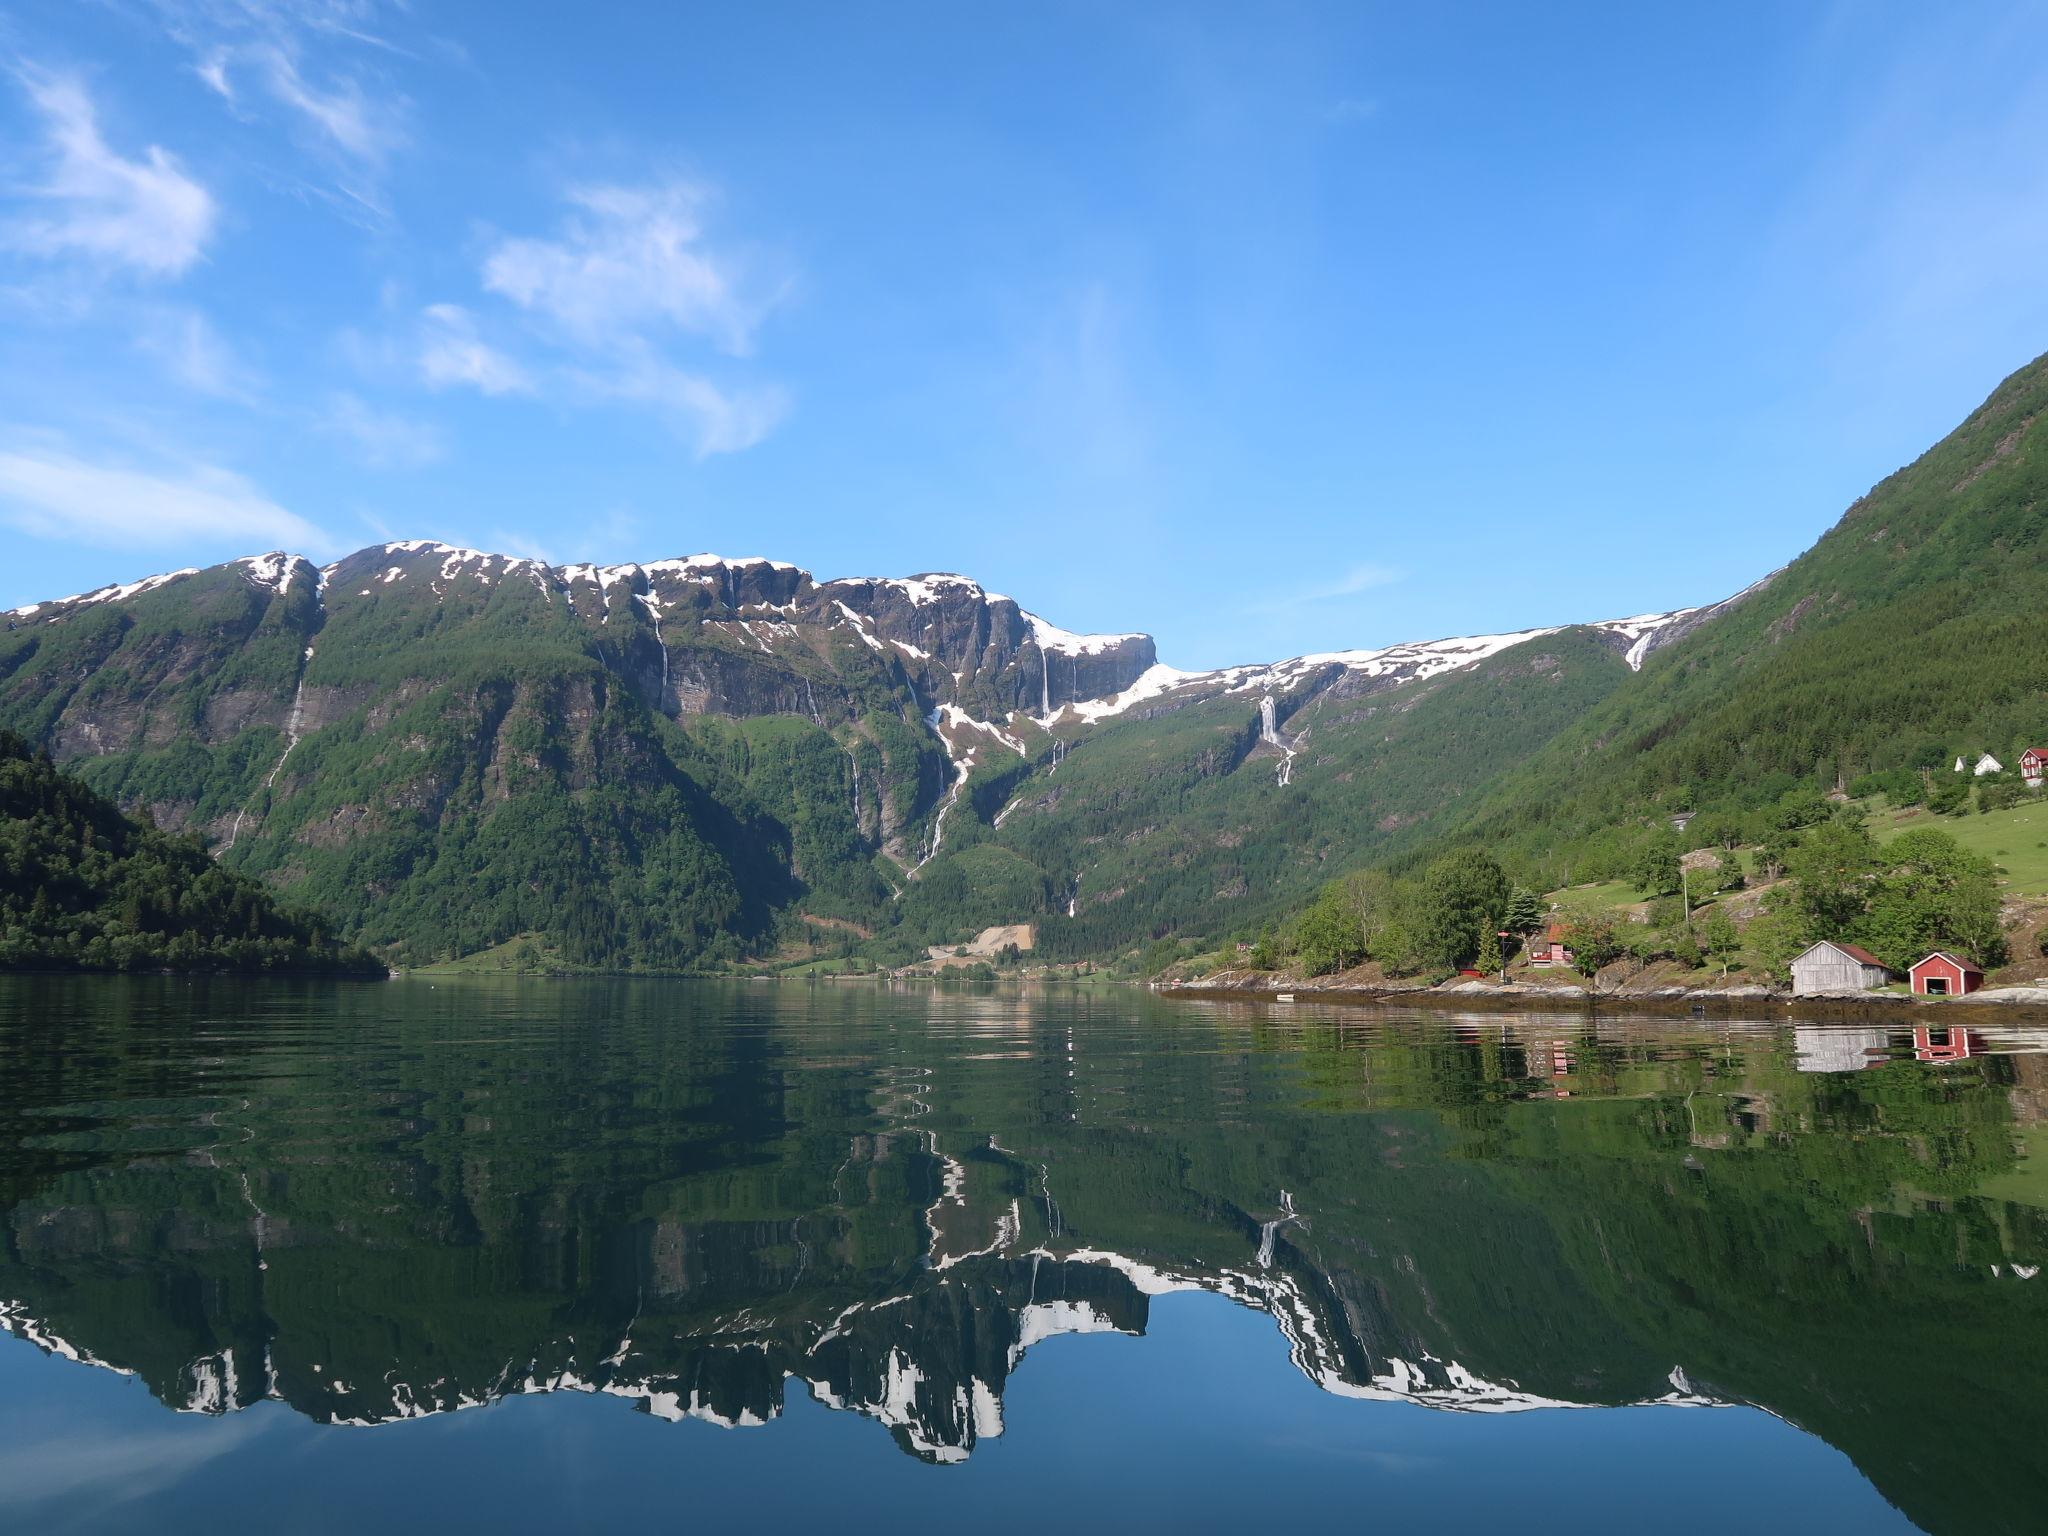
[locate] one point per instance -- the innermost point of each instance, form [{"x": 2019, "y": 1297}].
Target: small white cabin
[
  {"x": 1830, "y": 967},
  {"x": 1988, "y": 765}
]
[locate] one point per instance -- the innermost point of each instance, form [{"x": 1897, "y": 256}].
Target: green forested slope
[
  {"x": 1910, "y": 632},
  {"x": 83, "y": 887},
  {"x": 1178, "y": 826}
]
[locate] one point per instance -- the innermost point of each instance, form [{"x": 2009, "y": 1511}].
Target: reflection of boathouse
[
  {"x": 1830, "y": 1048},
  {"x": 1941, "y": 1046}
]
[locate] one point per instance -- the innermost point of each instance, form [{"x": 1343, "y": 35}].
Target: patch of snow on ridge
[
  {"x": 1051, "y": 637},
  {"x": 953, "y": 717},
  {"x": 274, "y": 570},
  {"x": 112, "y": 594},
  {"x": 931, "y": 587},
  {"x": 1042, "y": 1320},
  {"x": 1641, "y": 631},
  {"x": 1151, "y": 683}
]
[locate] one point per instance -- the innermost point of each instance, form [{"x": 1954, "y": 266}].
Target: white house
[
  {"x": 1831, "y": 967},
  {"x": 1987, "y": 764}
]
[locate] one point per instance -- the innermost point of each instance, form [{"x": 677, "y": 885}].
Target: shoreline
[{"x": 1691, "y": 1002}]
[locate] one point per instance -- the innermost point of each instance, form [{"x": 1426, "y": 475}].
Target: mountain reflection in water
[{"x": 387, "y": 1202}]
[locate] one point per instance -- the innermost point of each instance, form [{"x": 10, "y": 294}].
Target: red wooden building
[
  {"x": 2033, "y": 766},
  {"x": 1550, "y": 949},
  {"x": 1942, "y": 974}
]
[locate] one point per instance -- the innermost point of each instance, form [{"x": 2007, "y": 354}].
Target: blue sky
[{"x": 1267, "y": 329}]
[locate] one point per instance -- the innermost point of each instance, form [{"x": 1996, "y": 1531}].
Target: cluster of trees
[
  {"x": 1447, "y": 916},
  {"x": 82, "y": 887},
  {"x": 1921, "y": 891}
]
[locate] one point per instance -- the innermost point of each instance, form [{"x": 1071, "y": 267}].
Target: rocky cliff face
[{"x": 391, "y": 734}]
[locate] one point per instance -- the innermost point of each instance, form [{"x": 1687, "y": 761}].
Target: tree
[
  {"x": 1655, "y": 869},
  {"x": 1489, "y": 950},
  {"x": 1832, "y": 864},
  {"x": 1932, "y": 893},
  {"x": 1461, "y": 894},
  {"x": 1718, "y": 936},
  {"x": 1949, "y": 795},
  {"x": 1775, "y": 936},
  {"x": 1329, "y": 937},
  {"x": 1265, "y": 953},
  {"x": 1525, "y": 911},
  {"x": 1592, "y": 943}
]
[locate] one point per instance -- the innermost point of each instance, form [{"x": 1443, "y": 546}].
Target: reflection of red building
[
  {"x": 1940, "y": 1046},
  {"x": 1942, "y": 974},
  {"x": 1561, "y": 1064}
]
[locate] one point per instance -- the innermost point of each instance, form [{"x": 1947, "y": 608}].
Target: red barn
[
  {"x": 1942, "y": 974},
  {"x": 2033, "y": 765}
]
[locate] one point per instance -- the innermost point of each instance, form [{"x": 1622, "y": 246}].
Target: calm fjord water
[{"x": 578, "y": 1255}]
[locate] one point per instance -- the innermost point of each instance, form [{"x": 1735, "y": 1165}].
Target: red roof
[{"x": 1955, "y": 960}]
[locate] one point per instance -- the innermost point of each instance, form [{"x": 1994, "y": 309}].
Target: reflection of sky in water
[
  {"x": 1201, "y": 1424},
  {"x": 1091, "y": 1259}
]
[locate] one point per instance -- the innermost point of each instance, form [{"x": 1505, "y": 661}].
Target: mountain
[
  {"x": 669, "y": 764},
  {"x": 82, "y": 887},
  {"x": 692, "y": 762}
]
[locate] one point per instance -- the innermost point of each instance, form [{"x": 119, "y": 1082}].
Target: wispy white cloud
[
  {"x": 1083, "y": 400},
  {"x": 385, "y": 440},
  {"x": 452, "y": 353},
  {"x": 188, "y": 347},
  {"x": 55, "y": 495},
  {"x": 629, "y": 260},
  {"x": 303, "y": 56},
  {"x": 617, "y": 296},
  {"x": 715, "y": 419},
  {"x": 365, "y": 128},
  {"x": 145, "y": 214},
  {"x": 1360, "y": 578},
  {"x": 1351, "y": 582}
]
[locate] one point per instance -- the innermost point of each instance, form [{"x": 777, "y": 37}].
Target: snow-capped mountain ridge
[{"x": 756, "y": 586}]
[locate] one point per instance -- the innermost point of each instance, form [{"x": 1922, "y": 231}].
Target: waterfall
[
  {"x": 1044, "y": 683},
  {"x": 293, "y": 728},
  {"x": 1269, "y": 731},
  {"x": 653, "y": 606},
  {"x": 1270, "y": 1230},
  {"x": 854, "y": 758},
  {"x": 957, "y": 771}
]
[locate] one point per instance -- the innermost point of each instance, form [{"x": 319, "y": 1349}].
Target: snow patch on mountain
[
  {"x": 1051, "y": 637},
  {"x": 112, "y": 594}
]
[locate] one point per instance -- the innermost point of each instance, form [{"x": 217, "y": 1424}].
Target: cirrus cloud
[
  {"x": 54, "y": 495},
  {"x": 628, "y": 259},
  {"x": 144, "y": 213},
  {"x": 453, "y": 353}
]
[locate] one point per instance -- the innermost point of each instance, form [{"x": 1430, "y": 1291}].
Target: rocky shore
[{"x": 1646, "y": 993}]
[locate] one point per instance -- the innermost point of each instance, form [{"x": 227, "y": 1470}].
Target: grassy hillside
[{"x": 2014, "y": 840}]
